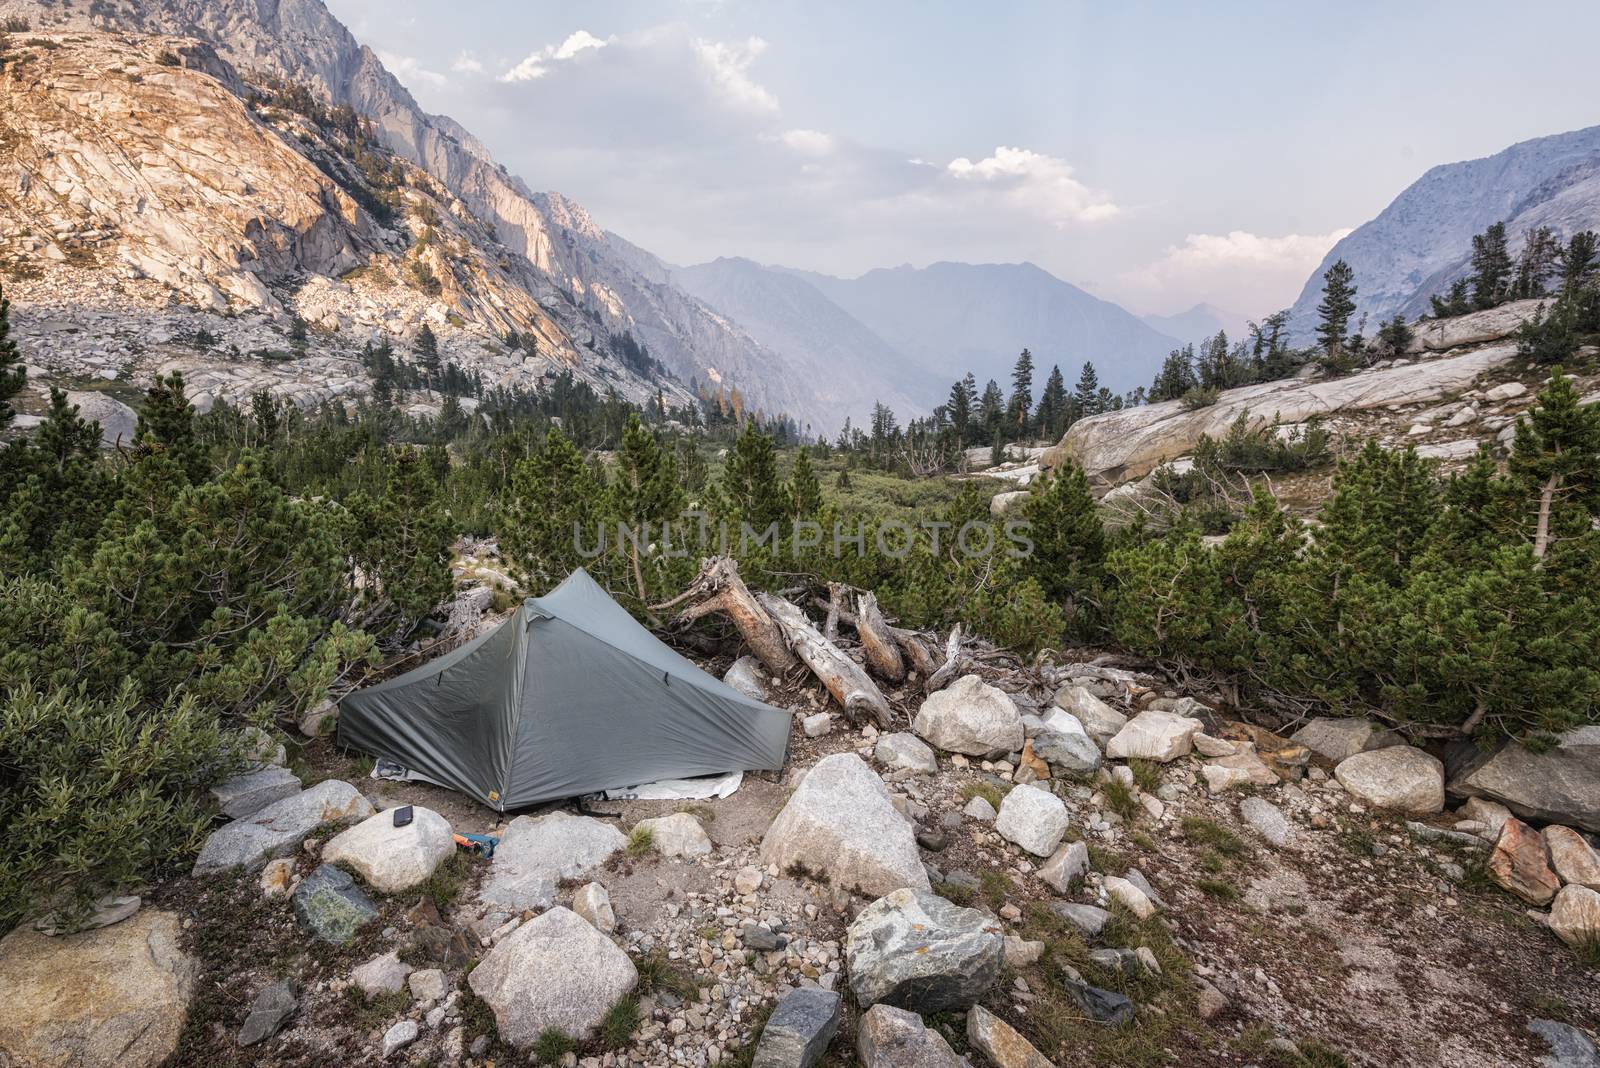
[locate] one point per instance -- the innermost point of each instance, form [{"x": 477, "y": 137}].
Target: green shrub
[{"x": 98, "y": 792}]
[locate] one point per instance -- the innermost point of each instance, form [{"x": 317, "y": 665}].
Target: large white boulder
[
  {"x": 915, "y": 950},
  {"x": 1128, "y": 444},
  {"x": 971, "y": 717},
  {"x": 554, "y": 972},
  {"x": 841, "y": 823},
  {"x": 1033, "y": 818},
  {"x": 281, "y": 826},
  {"x": 1154, "y": 735},
  {"x": 537, "y": 852},
  {"x": 390, "y": 858},
  {"x": 1399, "y": 778},
  {"x": 116, "y": 997}
]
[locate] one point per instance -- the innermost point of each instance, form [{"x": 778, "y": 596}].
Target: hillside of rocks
[
  {"x": 1459, "y": 385},
  {"x": 1075, "y": 863},
  {"x": 553, "y": 251},
  {"x": 157, "y": 213}
]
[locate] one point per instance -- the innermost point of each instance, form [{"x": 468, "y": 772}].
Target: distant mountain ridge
[
  {"x": 1422, "y": 241},
  {"x": 1199, "y": 322},
  {"x": 952, "y": 318}
]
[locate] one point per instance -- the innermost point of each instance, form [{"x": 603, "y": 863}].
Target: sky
[{"x": 1155, "y": 154}]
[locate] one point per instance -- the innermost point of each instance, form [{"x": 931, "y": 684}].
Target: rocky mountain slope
[
  {"x": 1460, "y": 385},
  {"x": 956, "y": 317},
  {"x": 1423, "y": 240},
  {"x": 548, "y": 252},
  {"x": 850, "y": 365}
]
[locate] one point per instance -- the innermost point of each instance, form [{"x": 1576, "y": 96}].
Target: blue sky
[{"x": 1156, "y": 154}]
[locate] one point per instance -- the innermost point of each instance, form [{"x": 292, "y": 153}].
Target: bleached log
[
  {"x": 953, "y": 663},
  {"x": 847, "y": 681},
  {"x": 718, "y": 588},
  {"x": 877, "y": 640}
]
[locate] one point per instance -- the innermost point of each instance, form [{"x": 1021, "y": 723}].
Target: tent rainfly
[{"x": 569, "y": 696}]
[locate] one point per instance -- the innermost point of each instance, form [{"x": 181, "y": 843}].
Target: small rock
[
  {"x": 1569, "y": 1047},
  {"x": 1100, "y": 720},
  {"x": 1209, "y": 1001},
  {"x": 1491, "y": 814},
  {"x": 747, "y": 677},
  {"x": 1572, "y": 857},
  {"x": 1338, "y": 738},
  {"x": 888, "y": 1037},
  {"x": 399, "y": 1037},
  {"x": 1065, "y": 745},
  {"x": 799, "y": 1030},
  {"x": 268, "y": 1012},
  {"x": 1000, "y": 1042},
  {"x": 1066, "y": 866},
  {"x": 905, "y": 751},
  {"x": 747, "y": 880},
  {"x": 246, "y": 794},
  {"x": 817, "y": 725},
  {"x": 1020, "y": 952},
  {"x": 1400, "y": 778},
  {"x": 980, "y": 809},
  {"x": 970, "y": 716},
  {"x": 1267, "y": 820},
  {"x": 1154, "y": 735},
  {"x": 331, "y": 905},
  {"x": 1033, "y": 818},
  {"x": 1519, "y": 864},
  {"x": 428, "y": 985},
  {"x": 1130, "y": 895},
  {"x": 1089, "y": 919},
  {"x": 385, "y": 974},
  {"x": 1219, "y": 778},
  {"x": 1575, "y": 916},
  {"x": 915, "y": 950},
  {"x": 389, "y": 858},
  {"x": 1105, "y": 1007},
  {"x": 593, "y": 903},
  {"x": 1208, "y": 746}
]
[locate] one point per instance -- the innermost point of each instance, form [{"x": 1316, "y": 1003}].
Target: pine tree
[
  {"x": 12, "y": 376},
  {"x": 805, "y": 492},
  {"x": 166, "y": 424},
  {"x": 1068, "y": 558},
  {"x": 1578, "y": 260},
  {"x": 1053, "y": 405},
  {"x": 556, "y": 504},
  {"x": 1541, "y": 256},
  {"x": 1086, "y": 395},
  {"x": 991, "y": 409},
  {"x": 1491, "y": 267},
  {"x": 1021, "y": 404},
  {"x": 402, "y": 543},
  {"x": 647, "y": 496},
  {"x": 751, "y": 480},
  {"x": 959, "y": 411},
  {"x": 1555, "y": 464},
  {"x": 1337, "y": 305},
  {"x": 427, "y": 350}
]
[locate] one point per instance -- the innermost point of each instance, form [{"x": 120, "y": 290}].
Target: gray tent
[{"x": 567, "y": 697}]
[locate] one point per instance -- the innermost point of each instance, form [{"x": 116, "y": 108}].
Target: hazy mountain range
[{"x": 1422, "y": 241}]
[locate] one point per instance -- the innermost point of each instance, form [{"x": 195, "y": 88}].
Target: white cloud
[
  {"x": 1238, "y": 269},
  {"x": 728, "y": 63},
  {"x": 808, "y": 142},
  {"x": 467, "y": 63},
  {"x": 538, "y": 64},
  {"x": 1037, "y": 183},
  {"x": 410, "y": 70}
]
